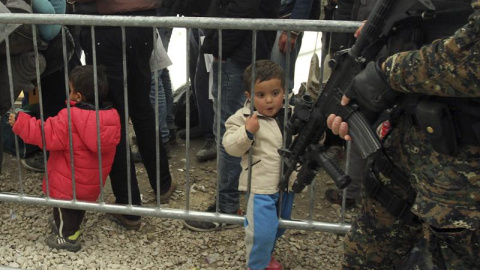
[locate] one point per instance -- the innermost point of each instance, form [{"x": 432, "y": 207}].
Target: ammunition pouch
[
  {"x": 449, "y": 123},
  {"x": 435, "y": 120}
]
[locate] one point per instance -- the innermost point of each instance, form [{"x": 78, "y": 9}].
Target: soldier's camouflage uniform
[{"x": 447, "y": 187}]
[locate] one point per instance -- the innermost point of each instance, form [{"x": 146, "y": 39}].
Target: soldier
[{"x": 432, "y": 141}]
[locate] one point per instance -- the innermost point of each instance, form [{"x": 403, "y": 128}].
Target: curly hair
[{"x": 264, "y": 70}]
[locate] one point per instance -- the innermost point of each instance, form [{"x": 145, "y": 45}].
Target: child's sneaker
[
  {"x": 71, "y": 243},
  {"x": 274, "y": 265}
]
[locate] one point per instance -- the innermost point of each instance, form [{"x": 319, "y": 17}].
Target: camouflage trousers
[{"x": 377, "y": 240}]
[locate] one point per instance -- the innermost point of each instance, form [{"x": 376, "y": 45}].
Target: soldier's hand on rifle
[
  {"x": 338, "y": 127},
  {"x": 370, "y": 88},
  {"x": 251, "y": 124}
]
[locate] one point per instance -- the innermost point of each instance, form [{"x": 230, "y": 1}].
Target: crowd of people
[{"x": 420, "y": 91}]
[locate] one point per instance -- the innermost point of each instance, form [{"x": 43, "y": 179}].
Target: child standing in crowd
[
  {"x": 261, "y": 131},
  {"x": 66, "y": 222}
]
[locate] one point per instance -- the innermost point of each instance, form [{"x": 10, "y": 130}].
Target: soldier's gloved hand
[{"x": 370, "y": 89}]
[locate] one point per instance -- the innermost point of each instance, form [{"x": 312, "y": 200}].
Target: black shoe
[
  {"x": 165, "y": 197},
  {"x": 172, "y": 138},
  {"x": 136, "y": 156},
  {"x": 127, "y": 223},
  {"x": 207, "y": 226},
  {"x": 70, "y": 243},
  {"x": 333, "y": 196},
  {"x": 208, "y": 151},
  {"x": 195, "y": 132},
  {"x": 35, "y": 162}
]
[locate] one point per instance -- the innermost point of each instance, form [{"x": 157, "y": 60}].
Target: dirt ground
[{"x": 297, "y": 249}]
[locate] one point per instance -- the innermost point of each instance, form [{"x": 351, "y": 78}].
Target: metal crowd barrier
[{"x": 7, "y": 20}]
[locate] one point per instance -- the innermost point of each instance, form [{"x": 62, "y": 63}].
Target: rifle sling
[
  {"x": 393, "y": 203},
  {"x": 382, "y": 164}
]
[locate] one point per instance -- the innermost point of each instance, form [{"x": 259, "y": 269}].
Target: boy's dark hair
[
  {"x": 82, "y": 79},
  {"x": 264, "y": 70}
]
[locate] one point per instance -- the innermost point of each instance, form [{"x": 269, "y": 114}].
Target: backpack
[
  {"x": 20, "y": 35},
  {"x": 179, "y": 108}
]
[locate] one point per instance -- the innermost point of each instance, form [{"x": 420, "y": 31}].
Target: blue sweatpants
[{"x": 261, "y": 226}]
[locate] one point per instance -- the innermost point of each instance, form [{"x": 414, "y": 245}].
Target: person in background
[
  {"x": 205, "y": 106},
  {"x": 167, "y": 124},
  {"x": 236, "y": 56},
  {"x": 159, "y": 63},
  {"x": 52, "y": 78},
  {"x": 262, "y": 133},
  {"x": 295, "y": 10},
  {"x": 109, "y": 51},
  {"x": 66, "y": 222},
  {"x": 199, "y": 79}
]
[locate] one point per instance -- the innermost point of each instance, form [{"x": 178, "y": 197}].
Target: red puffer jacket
[{"x": 85, "y": 150}]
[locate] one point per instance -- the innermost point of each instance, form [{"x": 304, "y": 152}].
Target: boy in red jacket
[{"x": 66, "y": 223}]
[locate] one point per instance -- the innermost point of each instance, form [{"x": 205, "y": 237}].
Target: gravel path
[
  {"x": 161, "y": 243},
  {"x": 106, "y": 245}
]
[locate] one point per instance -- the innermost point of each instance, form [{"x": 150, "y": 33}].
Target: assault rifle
[{"x": 309, "y": 119}]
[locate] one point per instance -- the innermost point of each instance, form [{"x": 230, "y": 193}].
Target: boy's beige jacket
[{"x": 266, "y": 161}]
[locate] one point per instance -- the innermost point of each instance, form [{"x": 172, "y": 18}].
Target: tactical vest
[
  {"x": 448, "y": 122},
  {"x": 456, "y": 121}
]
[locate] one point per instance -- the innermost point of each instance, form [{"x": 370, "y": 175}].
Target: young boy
[
  {"x": 66, "y": 222},
  {"x": 263, "y": 133}
]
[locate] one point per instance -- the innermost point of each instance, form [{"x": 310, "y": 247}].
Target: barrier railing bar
[
  {"x": 183, "y": 22},
  {"x": 168, "y": 213}
]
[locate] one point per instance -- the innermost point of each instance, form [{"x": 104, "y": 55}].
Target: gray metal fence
[{"x": 7, "y": 20}]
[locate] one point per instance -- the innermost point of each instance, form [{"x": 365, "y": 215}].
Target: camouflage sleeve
[{"x": 447, "y": 67}]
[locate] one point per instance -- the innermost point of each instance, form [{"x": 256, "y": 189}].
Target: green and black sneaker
[{"x": 70, "y": 243}]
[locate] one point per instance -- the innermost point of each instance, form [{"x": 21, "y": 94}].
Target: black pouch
[{"x": 435, "y": 120}]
